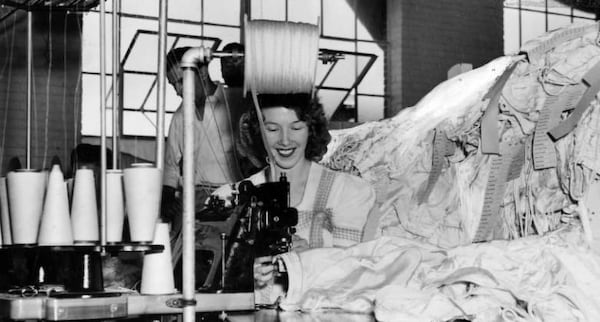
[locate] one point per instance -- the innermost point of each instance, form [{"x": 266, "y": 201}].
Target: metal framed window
[
  {"x": 527, "y": 19},
  {"x": 351, "y": 89}
]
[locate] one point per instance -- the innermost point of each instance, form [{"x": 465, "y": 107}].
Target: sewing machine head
[{"x": 228, "y": 238}]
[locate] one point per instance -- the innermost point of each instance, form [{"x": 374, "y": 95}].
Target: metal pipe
[
  {"x": 102, "y": 124},
  {"x": 29, "y": 85},
  {"x": 189, "y": 64},
  {"x": 162, "y": 71},
  {"x": 116, "y": 87}
]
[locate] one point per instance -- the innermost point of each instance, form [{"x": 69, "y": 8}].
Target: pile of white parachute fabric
[
  {"x": 508, "y": 150},
  {"x": 488, "y": 191}
]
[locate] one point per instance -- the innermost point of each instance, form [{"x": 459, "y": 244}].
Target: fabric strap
[{"x": 321, "y": 215}]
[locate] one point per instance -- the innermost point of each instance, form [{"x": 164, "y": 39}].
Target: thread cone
[
  {"x": 26, "y": 189},
  {"x": 157, "y": 273},
  {"x": 84, "y": 212},
  {"x": 115, "y": 206},
  {"x": 143, "y": 186},
  {"x": 55, "y": 227},
  {"x": 4, "y": 213}
]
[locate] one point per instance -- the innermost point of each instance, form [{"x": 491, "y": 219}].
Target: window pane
[
  {"x": 338, "y": 19},
  {"x": 336, "y": 44},
  {"x": 90, "y": 112},
  {"x": 372, "y": 83},
  {"x": 143, "y": 124},
  {"x": 534, "y": 25},
  {"x": 226, "y": 34},
  {"x": 557, "y": 7},
  {"x": 143, "y": 8},
  {"x": 307, "y": 11},
  {"x": 370, "y": 108},
  {"x": 362, "y": 32},
  {"x": 555, "y": 21},
  {"x": 135, "y": 123},
  {"x": 143, "y": 54},
  {"x": 140, "y": 92},
  {"x": 330, "y": 100},
  {"x": 511, "y": 31},
  {"x": 184, "y": 10},
  {"x": 582, "y": 20},
  {"x": 268, "y": 9},
  {"x": 90, "y": 47},
  {"x": 343, "y": 73},
  {"x": 222, "y": 11}
]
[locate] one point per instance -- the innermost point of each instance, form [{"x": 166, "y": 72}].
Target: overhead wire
[
  {"x": 48, "y": 78},
  {"x": 64, "y": 94},
  {"x": 76, "y": 97}
]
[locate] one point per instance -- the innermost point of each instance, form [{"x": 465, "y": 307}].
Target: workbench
[{"x": 239, "y": 307}]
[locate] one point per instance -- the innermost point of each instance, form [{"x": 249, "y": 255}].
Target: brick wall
[
  {"x": 56, "y": 89},
  {"x": 427, "y": 37}
]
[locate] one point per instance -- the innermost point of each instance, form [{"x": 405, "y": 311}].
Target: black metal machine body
[{"x": 259, "y": 222}]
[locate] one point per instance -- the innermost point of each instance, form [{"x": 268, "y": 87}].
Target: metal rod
[
  {"x": 116, "y": 88},
  {"x": 189, "y": 63},
  {"x": 223, "y": 252},
  {"x": 102, "y": 123},
  {"x": 162, "y": 71},
  {"x": 29, "y": 85}
]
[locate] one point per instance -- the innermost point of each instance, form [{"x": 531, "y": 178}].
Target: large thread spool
[
  {"x": 143, "y": 184},
  {"x": 84, "y": 210},
  {"x": 4, "y": 213},
  {"x": 55, "y": 226},
  {"x": 280, "y": 57},
  {"x": 26, "y": 188}
]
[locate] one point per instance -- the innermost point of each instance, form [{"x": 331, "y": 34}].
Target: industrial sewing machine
[{"x": 259, "y": 222}]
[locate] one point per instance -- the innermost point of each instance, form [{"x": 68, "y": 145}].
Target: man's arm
[{"x": 170, "y": 206}]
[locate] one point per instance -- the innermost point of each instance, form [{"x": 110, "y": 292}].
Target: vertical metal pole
[
  {"x": 189, "y": 253},
  {"x": 162, "y": 71},
  {"x": 116, "y": 87},
  {"x": 102, "y": 123},
  {"x": 29, "y": 84}
]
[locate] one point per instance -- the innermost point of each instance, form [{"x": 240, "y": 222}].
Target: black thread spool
[{"x": 86, "y": 276}]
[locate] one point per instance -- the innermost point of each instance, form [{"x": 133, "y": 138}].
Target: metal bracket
[{"x": 180, "y": 303}]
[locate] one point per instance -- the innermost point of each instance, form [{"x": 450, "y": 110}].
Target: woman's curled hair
[{"x": 307, "y": 108}]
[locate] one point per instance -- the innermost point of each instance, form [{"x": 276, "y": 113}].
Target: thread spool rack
[{"x": 61, "y": 282}]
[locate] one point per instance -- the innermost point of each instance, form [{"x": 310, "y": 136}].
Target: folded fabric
[{"x": 542, "y": 278}]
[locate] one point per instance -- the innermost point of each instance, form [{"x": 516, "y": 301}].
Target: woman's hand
[
  {"x": 299, "y": 244},
  {"x": 263, "y": 271}
]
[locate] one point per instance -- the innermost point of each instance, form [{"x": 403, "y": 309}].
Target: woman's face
[{"x": 287, "y": 136}]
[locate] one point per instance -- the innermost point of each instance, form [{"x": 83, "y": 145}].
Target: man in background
[{"x": 216, "y": 162}]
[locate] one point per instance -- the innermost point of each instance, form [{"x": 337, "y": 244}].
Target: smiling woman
[{"x": 332, "y": 206}]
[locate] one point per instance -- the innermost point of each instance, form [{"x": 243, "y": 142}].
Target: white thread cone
[
  {"x": 143, "y": 184},
  {"x": 84, "y": 212},
  {"x": 55, "y": 228},
  {"x": 69, "y": 182},
  {"x": 157, "y": 272},
  {"x": 4, "y": 213},
  {"x": 25, "y": 200},
  {"x": 115, "y": 206}
]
